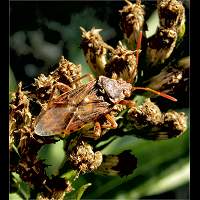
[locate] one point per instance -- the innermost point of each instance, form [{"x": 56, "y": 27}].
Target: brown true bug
[{"x": 72, "y": 110}]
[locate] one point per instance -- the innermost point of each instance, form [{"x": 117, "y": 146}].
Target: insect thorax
[{"x": 114, "y": 90}]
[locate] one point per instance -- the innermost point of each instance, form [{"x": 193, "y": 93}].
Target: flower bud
[
  {"x": 161, "y": 45},
  {"x": 95, "y": 50},
  {"x": 122, "y": 65},
  {"x": 132, "y": 22}
]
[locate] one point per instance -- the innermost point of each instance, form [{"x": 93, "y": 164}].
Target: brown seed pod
[
  {"x": 82, "y": 157},
  {"x": 132, "y": 22},
  {"x": 67, "y": 72},
  {"x": 146, "y": 115},
  {"x": 161, "y": 45},
  {"x": 175, "y": 122},
  {"x": 148, "y": 122},
  {"x": 95, "y": 50},
  {"x": 171, "y": 14},
  {"x": 173, "y": 78},
  {"x": 20, "y": 117}
]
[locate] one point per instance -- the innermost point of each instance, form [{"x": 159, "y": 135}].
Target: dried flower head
[
  {"x": 56, "y": 188},
  {"x": 20, "y": 118},
  {"x": 148, "y": 122},
  {"x": 95, "y": 50},
  {"x": 171, "y": 14},
  {"x": 171, "y": 78},
  {"x": 132, "y": 22},
  {"x": 175, "y": 122},
  {"x": 67, "y": 73},
  {"x": 122, "y": 64},
  {"x": 146, "y": 115},
  {"x": 82, "y": 157},
  {"x": 161, "y": 45}
]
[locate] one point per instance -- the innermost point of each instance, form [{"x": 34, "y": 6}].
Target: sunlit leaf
[
  {"x": 53, "y": 154},
  {"x": 14, "y": 196},
  {"x": 152, "y": 24},
  {"x": 81, "y": 190}
]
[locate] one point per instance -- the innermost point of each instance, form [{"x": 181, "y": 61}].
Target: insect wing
[
  {"x": 53, "y": 121},
  {"x": 74, "y": 97},
  {"x": 88, "y": 111},
  {"x": 61, "y": 111}
]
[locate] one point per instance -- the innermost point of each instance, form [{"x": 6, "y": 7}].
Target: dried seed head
[
  {"x": 95, "y": 50},
  {"x": 132, "y": 21},
  {"x": 175, "y": 122},
  {"x": 146, "y": 115},
  {"x": 122, "y": 65},
  {"x": 43, "y": 81},
  {"x": 118, "y": 165},
  {"x": 171, "y": 78},
  {"x": 149, "y": 123},
  {"x": 171, "y": 14},
  {"x": 56, "y": 188},
  {"x": 161, "y": 45},
  {"x": 67, "y": 72},
  {"x": 43, "y": 87},
  {"x": 20, "y": 118},
  {"x": 83, "y": 158}
]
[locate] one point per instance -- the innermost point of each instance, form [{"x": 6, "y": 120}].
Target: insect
[{"x": 72, "y": 110}]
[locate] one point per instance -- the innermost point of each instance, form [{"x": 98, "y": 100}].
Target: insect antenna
[
  {"x": 138, "y": 46},
  {"x": 155, "y": 92}
]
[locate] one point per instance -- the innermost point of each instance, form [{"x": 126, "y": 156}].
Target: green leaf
[
  {"x": 81, "y": 190},
  {"x": 152, "y": 24},
  {"x": 156, "y": 161},
  {"x": 23, "y": 188},
  {"x": 70, "y": 175},
  {"x": 14, "y": 196},
  {"x": 12, "y": 82},
  {"x": 54, "y": 155},
  {"x": 172, "y": 177}
]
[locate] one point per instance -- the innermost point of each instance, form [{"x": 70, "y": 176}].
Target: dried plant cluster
[
  {"x": 61, "y": 107},
  {"x": 171, "y": 30}
]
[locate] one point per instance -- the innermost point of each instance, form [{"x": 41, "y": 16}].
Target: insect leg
[
  {"x": 97, "y": 130},
  {"x": 128, "y": 103},
  {"x": 60, "y": 86},
  {"x": 111, "y": 119},
  {"x": 95, "y": 133}
]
